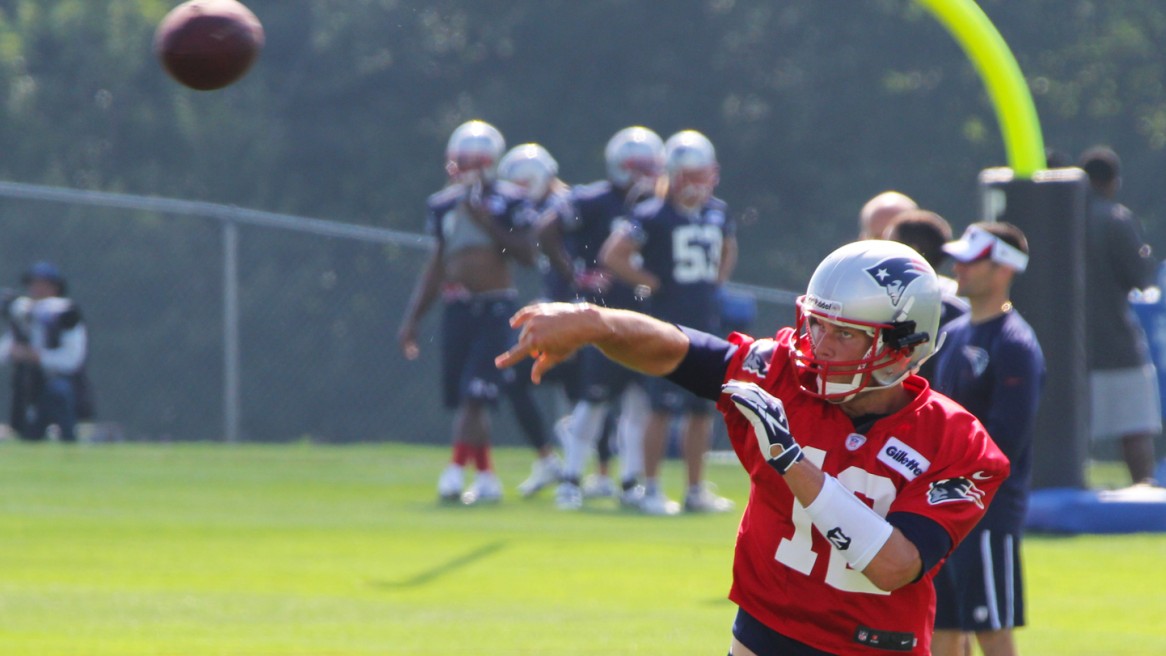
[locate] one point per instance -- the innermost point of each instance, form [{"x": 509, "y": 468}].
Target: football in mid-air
[{"x": 208, "y": 44}]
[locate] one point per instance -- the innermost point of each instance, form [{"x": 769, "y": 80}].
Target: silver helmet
[
  {"x": 531, "y": 167},
  {"x": 690, "y": 161},
  {"x": 473, "y": 152},
  {"x": 887, "y": 291},
  {"x": 634, "y": 156}
]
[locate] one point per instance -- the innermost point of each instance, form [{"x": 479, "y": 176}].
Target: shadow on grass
[{"x": 442, "y": 569}]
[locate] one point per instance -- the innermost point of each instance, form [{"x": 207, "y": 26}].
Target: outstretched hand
[
  {"x": 550, "y": 333},
  {"x": 766, "y": 414}
]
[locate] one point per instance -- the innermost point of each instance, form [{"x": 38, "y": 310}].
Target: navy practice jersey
[
  {"x": 684, "y": 252},
  {"x": 596, "y": 209},
  {"x": 448, "y": 222},
  {"x": 556, "y": 205},
  {"x": 996, "y": 370}
]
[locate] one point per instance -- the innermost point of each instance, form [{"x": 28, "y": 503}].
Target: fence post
[{"x": 231, "y": 402}]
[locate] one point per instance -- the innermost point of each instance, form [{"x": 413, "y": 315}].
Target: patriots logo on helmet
[
  {"x": 955, "y": 489},
  {"x": 894, "y": 274}
]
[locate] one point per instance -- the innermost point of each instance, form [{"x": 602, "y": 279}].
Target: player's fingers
[
  {"x": 522, "y": 316},
  {"x": 542, "y": 364},
  {"x": 511, "y": 357}
]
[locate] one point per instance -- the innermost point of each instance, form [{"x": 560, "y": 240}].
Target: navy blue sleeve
[
  {"x": 702, "y": 371},
  {"x": 928, "y": 536}
]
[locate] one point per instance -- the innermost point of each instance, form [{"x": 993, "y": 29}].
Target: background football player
[
  {"x": 477, "y": 227},
  {"x": 678, "y": 250},
  {"x": 634, "y": 157}
]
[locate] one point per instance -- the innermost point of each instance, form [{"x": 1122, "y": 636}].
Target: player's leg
[
  {"x": 584, "y": 426},
  {"x": 949, "y": 639},
  {"x": 1125, "y": 406},
  {"x": 1137, "y": 451},
  {"x": 481, "y": 385},
  {"x": 996, "y": 643},
  {"x": 546, "y": 468},
  {"x": 987, "y": 579},
  {"x": 456, "y": 332},
  {"x": 59, "y": 406},
  {"x": 633, "y": 419},
  {"x": 530, "y": 419},
  {"x": 999, "y": 553},
  {"x": 582, "y": 431},
  {"x": 599, "y": 484},
  {"x": 698, "y": 432},
  {"x": 948, "y": 642},
  {"x": 664, "y": 404},
  {"x": 624, "y": 427}
]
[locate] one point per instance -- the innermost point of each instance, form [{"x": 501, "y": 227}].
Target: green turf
[{"x": 329, "y": 551}]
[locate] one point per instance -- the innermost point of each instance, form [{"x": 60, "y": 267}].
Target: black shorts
[
  {"x": 979, "y": 588},
  {"x": 666, "y": 396},
  {"x": 764, "y": 641},
  {"x": 473, "y": 331},
  {"x": 601, "y": 379}
]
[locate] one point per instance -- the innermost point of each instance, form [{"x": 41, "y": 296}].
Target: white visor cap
[{"x": 977, "y": 243}]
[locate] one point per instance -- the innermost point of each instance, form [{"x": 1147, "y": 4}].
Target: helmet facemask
[
  {"x": 692, "y": 188},
  {"x": 691, "y": 164},
  {"x": 886, "y": 362}
]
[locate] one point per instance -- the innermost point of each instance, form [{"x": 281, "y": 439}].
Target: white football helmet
[
  {"x": 634, "y": 156},
  {"x": 882, "y": 288},
  {"x": 531, "y": 167},
  {"x": 473, "y": 152},
  {"x": 690, "y": 162}
]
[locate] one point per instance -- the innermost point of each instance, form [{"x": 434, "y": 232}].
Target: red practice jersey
[{"x": 931, "y": 458}]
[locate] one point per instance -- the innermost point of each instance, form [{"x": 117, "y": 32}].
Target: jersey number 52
[{"x": 696, "y": 253}]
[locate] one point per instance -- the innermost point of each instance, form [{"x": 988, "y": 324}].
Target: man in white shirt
[{"x": 47, "y": 344}]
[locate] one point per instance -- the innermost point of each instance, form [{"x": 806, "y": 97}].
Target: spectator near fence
[{"x": 47, "y": 345}]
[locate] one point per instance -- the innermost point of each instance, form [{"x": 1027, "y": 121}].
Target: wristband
[{"x": 856, "y": 531}]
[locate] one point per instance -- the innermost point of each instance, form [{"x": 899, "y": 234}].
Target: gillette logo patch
[{"x": 903, "y": 459}]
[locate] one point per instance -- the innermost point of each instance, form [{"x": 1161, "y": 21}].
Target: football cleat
[
  {"x": 658, "y": 504},
  {"x": 632, "y": 497},
  {"x": 597, "y": 486},
  {"x": 707, "y": 501},
  {"x": 543, "y": 472},
  {"x": 486, "y": 488},
  {"x": 449, "y": 486},
  {"x": 568, "y": 496}
]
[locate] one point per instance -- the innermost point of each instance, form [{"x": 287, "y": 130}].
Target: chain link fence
[{"x": 211, "y": 322}]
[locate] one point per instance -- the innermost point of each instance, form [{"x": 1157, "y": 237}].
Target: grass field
[{"x": 334, "y": 551}]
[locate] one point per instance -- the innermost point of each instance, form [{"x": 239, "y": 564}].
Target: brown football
[{"x": 208, "y": 44}]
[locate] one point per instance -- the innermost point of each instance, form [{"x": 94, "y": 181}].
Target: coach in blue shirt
[{"x": 992, "y": 364}]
